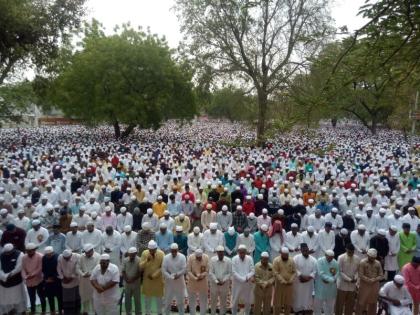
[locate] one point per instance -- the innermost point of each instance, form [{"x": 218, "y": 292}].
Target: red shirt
[{"x": 248, "y": 207}]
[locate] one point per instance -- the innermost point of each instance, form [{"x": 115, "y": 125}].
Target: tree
[
  {"x": 127, "y": 78},
  {"x": 32, "y": 31},
  {"x": 233, "y": 104},
  {"x": 15, "y": 99},
  {"x": 258, "y": 43}
]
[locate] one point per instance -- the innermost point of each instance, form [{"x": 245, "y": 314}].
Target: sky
[{"x": 159, "y": 16}]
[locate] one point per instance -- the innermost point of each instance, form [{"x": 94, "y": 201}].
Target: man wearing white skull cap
[
  {"x": 370, "y": 275},
  {"x": 396, "y": 296},
  {"x": 325, "y": 284},
  {"x": 68, "y": 270},
  {"x": 88, "y": 261},
  {"x": 220, "y": 275},
  {"x": 131, "y": 274},
  {"x": 211, "y": 239},
  {"x": 198, "y": 270},
  {"x": 105, "y": 278},
  {"x": 12, "y": 288},
  {"x": 242, "y": 280},
  {"x": 174, "y": 267},
  {"x": 391, "y": 259}
]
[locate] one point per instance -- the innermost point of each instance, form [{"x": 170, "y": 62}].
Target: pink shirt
[
  {"x": 32, "y": 266},
  {"x": 412, "y": 281},
  {"x": 109, "y": 220}
]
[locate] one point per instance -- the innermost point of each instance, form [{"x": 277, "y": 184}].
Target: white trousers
[
  {"x": 326, "y": 304},
  {"x": 178, "y": 295},
  {"x": 106, "y": 309},
  {"x": 202, "y": 299}
]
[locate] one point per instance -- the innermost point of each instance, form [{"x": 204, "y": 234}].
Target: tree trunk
[
  {"x": 117, "y": 130},
  {"x": 262, "y": 112},
  {"x": 373, "y": 126},
  {"x": 128, "y": 131},
  {"x": 334, "y": 122}
]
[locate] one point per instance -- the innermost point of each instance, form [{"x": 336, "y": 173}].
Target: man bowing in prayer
[
  {"x": 174, "y": 267},
  {"x": 325, "y": 284},
  {"x": 12, "y": 289},
  {"x": 304, "y": 282},
  {"x": 243, "y": 280},
  {"x": 397, "y": 296}
]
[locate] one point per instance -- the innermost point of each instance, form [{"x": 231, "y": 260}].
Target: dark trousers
[
  {"x": 54, "y": 290},
  {"x": 391, "y": 275},
  {"x": 32, "y": 292}
]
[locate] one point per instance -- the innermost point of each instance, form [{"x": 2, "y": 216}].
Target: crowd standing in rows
[{"x": 326, "y": 221}]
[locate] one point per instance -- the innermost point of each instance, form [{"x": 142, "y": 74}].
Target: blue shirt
[
  {"x": 326, "y": 278},
  {"x": 57, "y": 241},
  {"x": 164, "y": 241}
]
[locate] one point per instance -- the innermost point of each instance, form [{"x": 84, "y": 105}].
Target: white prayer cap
[
  {"x": 179, "y": 228},
  {"x": 149, "y": 211},
  {"x": 394, "y": 228},
  {"x": 294, "y": 225},
  {"x": 198, "y": 252},
  {"x": 36, "y": 222},
  {"x": 127, "y": 228},
  {"x": 123, "y": 209},
  {"x": 329, "y": 253},
  {"x": 163, "y": 225},
  {"x": 30, "y": 246},
  {"x": 166, "y": 212},
  {"x": 260, "y": 196},
  {"x": 174, "y": 246},
  {"x": 104, "y": 257},
  {"x": 132, "y": 250},
  {"x": 242, "y": 247},
  {"x": 310, "y": 200},
  {"x": 108, "y": 209},
  {"x": 239, "y": 208},
  {"x": 361, "y": 227},
  {"x": 145, "y": 226},
  {"x": 310, "y": 228},
  {"x": 284, "y": 250},
  {"x": 344, "y": 231},
  {"x": 265, "y": 254},
  {"x": 382, "y": 232},
  {"x": 334, "y": 210},
  {"x": 397, "y": 212},
  {"x": 49, "y": 250},
  {"x": 372, "y": 252},
  {"x": 264, "y": 211},
  {"x": 8, "y": 247},
  {"x": 66, "y": 253},
  {"x": 213, "y": 226},
  {"x": 152, "y": 244},
  {"x": 73, "y": 224},
  {"x": 264, "y": 227},
  {"x": 224, "y": 208},
  {"x": 248, "y": 197},
  {"x": 159, "y": 197},
  {"x": 399, "y": 279},
  {"x": 382, "y": 210},
  {"x": 3, "y": 211},
  {"x": 280, "y": 211},
  {"x": 35, "y": 215},
  {"x": 208, "y": 206},
  {"x": 198, "y": 201},
  {"x": 220, "y": 248},
  {"x": 87, "y": 247},
  {"x": 182, "y": 215},
  {"x": 349, "y": 212},
  {"x": 94, "y": 214},
  {"x": 196, "y": 229},
  {"x": 252, "y": 215}
]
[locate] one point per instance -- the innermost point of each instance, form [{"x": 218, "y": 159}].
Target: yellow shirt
[{"x": 159, "y": 208}]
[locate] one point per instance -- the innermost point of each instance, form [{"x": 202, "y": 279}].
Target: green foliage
[
  {"x": 129, "y": 78},
  {"x": 32, "y": 31},
  {"x": 233, "y": 104},
  {"x": 15, "y": 100}
]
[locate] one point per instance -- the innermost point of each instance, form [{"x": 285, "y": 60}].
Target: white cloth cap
[
  {"x": 213, "y": 226},
  {"x": 399, "y": 279},
  {"x": 198, "y": 252},
  {"x": 344, "y": 231},
  {"x": 31, "y": 246},
  {"x": 264, "y": 227},
  {"x": 179, "y": 228},
  {"x": 265, "y": 254},
  {"x": 73, "y": 224},
  {"x": 310, "y": 228},
  {"x": 284, "y": 250},
  {"x": 49, "y": 250},
  {"x": 36, "y": 222},
  {"x": 372, "y": 253},
  {"x": 66, "y": 253},
  {"x": 104, "y": 257},
  {"x": 132, "y": 250},
  {"x": 127, "y": 228},
  {"x": 8, "y": 247},
  {"x": 382, "y": 232},
  {"x": 242, "y": 247},
  {"x": 174, "y": 246},
  {"x": 329, "y": 253},
  {"x": 152, "y": 244},
  {"x": 220, "y": 248},
  {"x": 87, "y": 247},
  {"x": 196, "y": 229}
]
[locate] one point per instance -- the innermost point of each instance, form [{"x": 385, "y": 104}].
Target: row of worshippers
[{"x": 89, "y": 282}]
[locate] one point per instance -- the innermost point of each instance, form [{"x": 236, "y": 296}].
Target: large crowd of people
[{"x": 323, "y": 221}]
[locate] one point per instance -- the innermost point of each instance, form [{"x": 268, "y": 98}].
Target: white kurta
[
  {"x": 248, "y": 242},
  {"x": 170, "y": 267},
  {"x": 128, "y": 241},
  {"x": 390, "y": 290},
  {"x": 242, "y": 271},
  {"x": 211, "y": 241},
  {"x": 305, "y": 267},
  {"x": 360, "y": 243},
  {"x": 86, "y": 267},
  {"x": 37, "y": 237},
  {"x": 94, "y": 238},
  {"x": 316, "y": 223},
  {"x": 293, "y": 242},
  {"x": 123, "y": 220},
  {"x": 106, "y": 302},
  {"x": 326, "y": 242},
  {"x": 391, "y": 260},
  {"x": 194, "y": 242},
  {"x": 113, "y": 243},
  {"x": 312, "y": 242},
  {"x": 276, "y": 243},
  {"x": 74, "y": 241}
]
